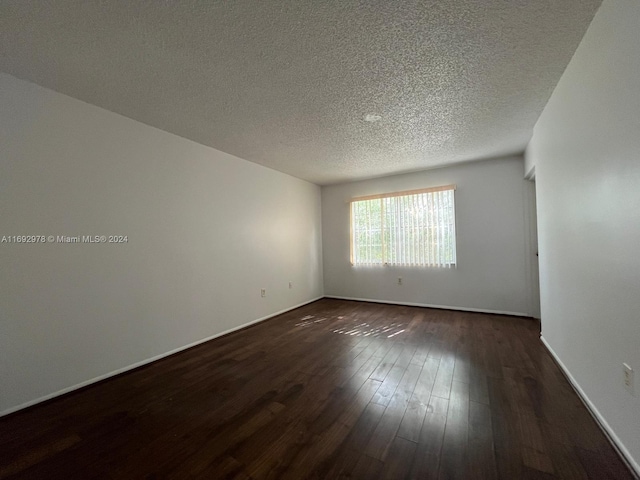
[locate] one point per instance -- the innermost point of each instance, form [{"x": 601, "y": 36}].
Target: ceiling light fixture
[{"x": 372, "y": 117}]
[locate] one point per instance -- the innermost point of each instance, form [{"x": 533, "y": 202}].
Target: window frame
[{"x": 404, "y": 193}]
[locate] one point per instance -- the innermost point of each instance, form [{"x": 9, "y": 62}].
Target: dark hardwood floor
[{"x": 335, "y": 389}]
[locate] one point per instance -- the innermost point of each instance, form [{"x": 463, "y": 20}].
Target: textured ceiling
[{"x": 288, "y": 83}]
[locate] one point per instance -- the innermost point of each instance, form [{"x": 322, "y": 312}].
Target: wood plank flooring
[{"x": 335, "y": 389}]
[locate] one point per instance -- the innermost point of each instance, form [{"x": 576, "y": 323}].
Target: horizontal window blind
[{"x": 413, "y": 228}]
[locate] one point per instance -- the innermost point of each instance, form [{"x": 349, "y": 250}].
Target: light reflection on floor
[
  {"x": 360, "y": 330},
  {"x": 308, "y": 320}
]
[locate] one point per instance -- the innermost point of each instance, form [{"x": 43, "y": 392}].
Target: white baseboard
[
  {"x": 428, "y": 305},
  {"x": 600, "y": 420},
  {"x": 148, "y": 360}
]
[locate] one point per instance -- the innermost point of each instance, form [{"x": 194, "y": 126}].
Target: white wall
[
  {"x": 586, "y": 149},
  {"x": 492, "y": 243},
  {"x": 529, "y": 167},
  {"x": 205, "y": 232}
]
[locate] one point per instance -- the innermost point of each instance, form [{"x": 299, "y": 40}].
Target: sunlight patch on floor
[
  {"x": 366, "y": 330},
  {"x": 309, "y": 320}
]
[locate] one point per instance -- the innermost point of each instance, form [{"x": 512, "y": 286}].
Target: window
[{"x": 413, "y": 228}]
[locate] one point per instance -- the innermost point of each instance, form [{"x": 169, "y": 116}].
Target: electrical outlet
[
  {"x": 628, "y": 377},
  {"x": 263, "y": 292},
  {"x": 399, "y": 280},
  {"x": 290, "y": 284}
]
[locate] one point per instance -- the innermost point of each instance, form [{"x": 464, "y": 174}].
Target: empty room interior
[{"x": 319, "y": 239}]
